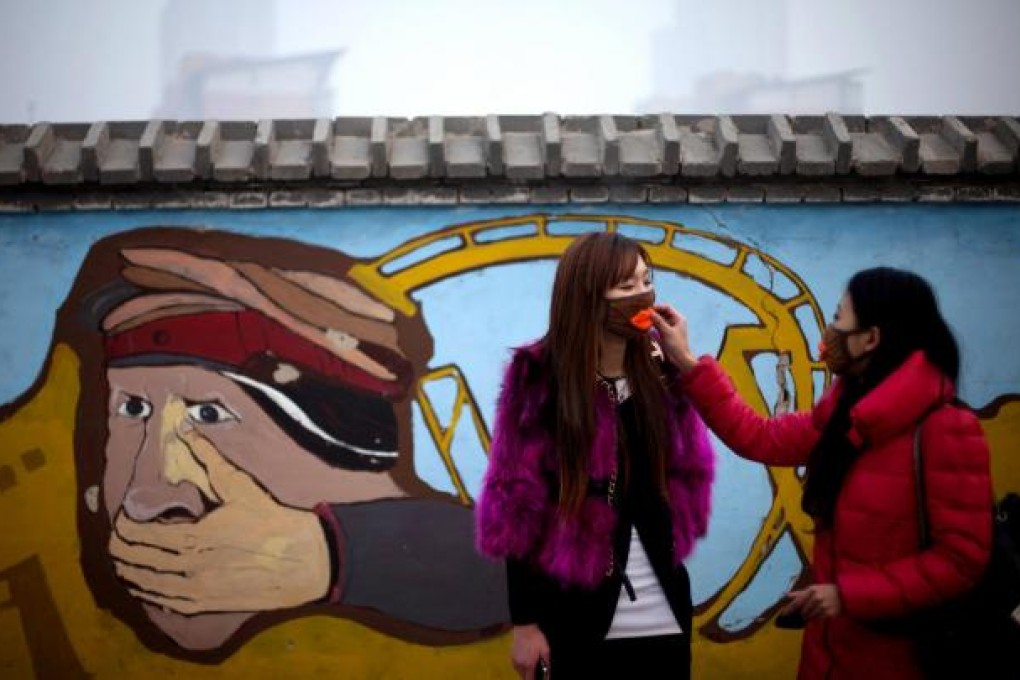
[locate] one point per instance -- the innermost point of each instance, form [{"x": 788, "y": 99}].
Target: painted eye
[
  {"x": 209, "y": 413},
  {"x": 135, "y": 407}
]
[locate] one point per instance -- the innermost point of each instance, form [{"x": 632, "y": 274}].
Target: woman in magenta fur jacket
[{"x": 598, "y": 481}]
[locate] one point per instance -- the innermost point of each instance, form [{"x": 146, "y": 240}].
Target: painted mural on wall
[{"x": 251, "y": 450}]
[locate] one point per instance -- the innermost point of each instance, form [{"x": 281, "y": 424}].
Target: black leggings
[{"x": 667, "y": 656}]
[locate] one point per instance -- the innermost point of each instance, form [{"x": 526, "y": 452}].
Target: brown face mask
[
  {"x": 835, "y": 351},
  {"x": 628, "y": 316}
]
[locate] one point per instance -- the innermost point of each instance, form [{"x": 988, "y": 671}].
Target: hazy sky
[{"x": 100, "y": 60}]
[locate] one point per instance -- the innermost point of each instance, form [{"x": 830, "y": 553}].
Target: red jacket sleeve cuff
[
  {"x": 705, "y": 364},
  {"x": 865, "y": 599}
]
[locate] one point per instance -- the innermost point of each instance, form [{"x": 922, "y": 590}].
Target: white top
[{"x": 649, "y": 614}]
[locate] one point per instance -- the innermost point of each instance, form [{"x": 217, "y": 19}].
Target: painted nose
[{"x": 168, "y": 484}]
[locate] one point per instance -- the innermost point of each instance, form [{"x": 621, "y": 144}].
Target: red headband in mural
[
  {"x": 325, "y": 310},
  {"x": 233, "y": 338}
]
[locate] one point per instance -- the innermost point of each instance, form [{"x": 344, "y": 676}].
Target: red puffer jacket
[{"x": 871, "y": 551}]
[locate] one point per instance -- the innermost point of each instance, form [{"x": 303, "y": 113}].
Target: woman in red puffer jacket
[{"x": 897, "y": 364}]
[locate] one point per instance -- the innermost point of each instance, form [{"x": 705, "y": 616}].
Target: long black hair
[{"x": 903, "y": 306}]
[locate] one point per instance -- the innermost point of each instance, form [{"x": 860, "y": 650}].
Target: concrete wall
[{"x": 448, "y": 290}]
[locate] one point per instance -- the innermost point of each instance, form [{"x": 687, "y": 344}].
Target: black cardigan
[{"x": 573, "y": 615}]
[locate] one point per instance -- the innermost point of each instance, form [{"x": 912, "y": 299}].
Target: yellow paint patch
[
  {"x": 770, "y": 653},
  {"x": 1003, "y": 432},
  {"x": 14, "y": 655},
  {"x": 179, "y": 463},
  {"x": 271, "y": 552}
]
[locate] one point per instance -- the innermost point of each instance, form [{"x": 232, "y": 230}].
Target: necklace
[{"x": 617, "y": 386}]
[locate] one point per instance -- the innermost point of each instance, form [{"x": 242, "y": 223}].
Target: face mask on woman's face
[
  {"x": 835, "y": 351},
  {"x": 628, "y": 316}
]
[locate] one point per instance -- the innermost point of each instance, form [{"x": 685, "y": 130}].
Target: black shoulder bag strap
[{"x": 922, "y": 505}]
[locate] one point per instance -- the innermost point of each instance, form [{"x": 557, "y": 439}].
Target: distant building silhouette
[
  {"x": 732, "y": 56},
  {"x": 224, "y": 88},
  {"x": 214, "y": 66},
  {"x": 754, "y": 93}
]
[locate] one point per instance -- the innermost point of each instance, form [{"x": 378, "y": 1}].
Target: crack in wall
[{"x": 784, "y": 398}]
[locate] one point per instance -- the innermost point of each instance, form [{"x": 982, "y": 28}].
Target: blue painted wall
[{"x": 970, "y": 253}]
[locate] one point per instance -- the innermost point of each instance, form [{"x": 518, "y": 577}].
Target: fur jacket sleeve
[{"x": 516, "y": 513}]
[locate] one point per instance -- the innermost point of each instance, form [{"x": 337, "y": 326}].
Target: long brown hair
[{"x": 589, "y": 267}]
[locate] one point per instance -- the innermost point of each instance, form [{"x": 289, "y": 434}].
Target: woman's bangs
[{"x": 627, "y": 261}]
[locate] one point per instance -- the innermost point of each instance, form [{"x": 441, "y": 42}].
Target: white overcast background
[{"x": 74, "y": 60}]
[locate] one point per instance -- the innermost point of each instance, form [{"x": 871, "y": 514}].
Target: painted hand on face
[{"x": 250, "y": 553}]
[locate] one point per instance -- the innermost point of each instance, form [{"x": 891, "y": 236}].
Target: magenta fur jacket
[{"x": 516, "y": 514}]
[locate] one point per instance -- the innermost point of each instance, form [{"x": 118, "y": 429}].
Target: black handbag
[{"x": 976, "y": 635}]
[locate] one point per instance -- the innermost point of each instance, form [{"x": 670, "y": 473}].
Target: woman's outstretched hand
[{"x": 672, "y": 327}]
